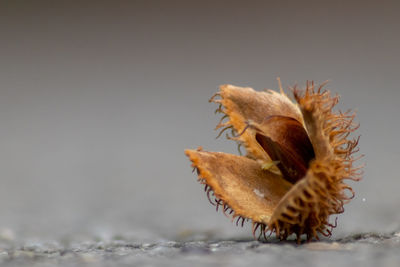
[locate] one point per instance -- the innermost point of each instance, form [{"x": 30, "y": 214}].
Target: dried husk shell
[{"x": 303, "y": 207}]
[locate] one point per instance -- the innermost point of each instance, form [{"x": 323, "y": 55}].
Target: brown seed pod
[{"x": 298, "y": 156}]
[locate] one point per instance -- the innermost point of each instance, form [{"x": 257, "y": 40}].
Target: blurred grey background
[{"x": 98, "y": 100}]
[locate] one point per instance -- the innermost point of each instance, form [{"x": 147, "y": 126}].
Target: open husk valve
[{"x": 298, "y": 156}]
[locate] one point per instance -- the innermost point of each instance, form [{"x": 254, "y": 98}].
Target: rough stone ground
[{"x": 368, "y": 249}]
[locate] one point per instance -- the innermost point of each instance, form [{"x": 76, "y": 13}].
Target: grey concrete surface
[{"x": 356, "y": 250}]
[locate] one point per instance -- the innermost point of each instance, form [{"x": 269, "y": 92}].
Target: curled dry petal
[
  {"x": 242, "y": 105},
  {"x": 309, "y": 141},
  {"x": 240, "y": 183}
]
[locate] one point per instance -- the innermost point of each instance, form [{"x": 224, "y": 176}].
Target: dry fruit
[{"x": 298, "y": 156}]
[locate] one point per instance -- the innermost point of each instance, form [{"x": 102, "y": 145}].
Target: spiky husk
[
  {"x": 238, "y": 183},
  {"x": 241, "y": 105},
  {"x": 306, "y": 208}
]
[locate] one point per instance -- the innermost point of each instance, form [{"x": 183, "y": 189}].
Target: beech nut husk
[{"x": 298, "y": 155}]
